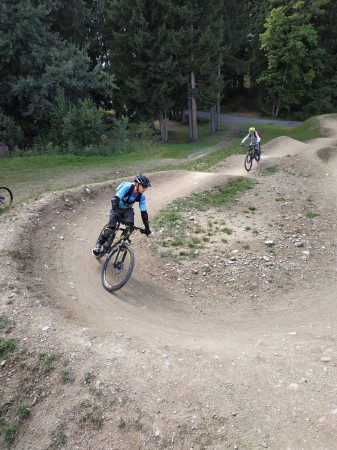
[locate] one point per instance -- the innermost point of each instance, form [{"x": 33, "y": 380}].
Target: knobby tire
[
  {"x": 118, "y": 267},
  {"x": 248, "y": 162},
  {"x": 7, "y": 196}
]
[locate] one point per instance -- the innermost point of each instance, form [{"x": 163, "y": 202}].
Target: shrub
[
  {"x": 11, "y": 135},
  {"x": 75, "y": 125}
]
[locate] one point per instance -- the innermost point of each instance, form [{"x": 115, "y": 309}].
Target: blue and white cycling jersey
[
  {"x": 254, "y": 138},
  {"x": 121, "y": 193}
]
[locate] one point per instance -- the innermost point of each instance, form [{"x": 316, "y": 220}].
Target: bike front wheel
[
  {"x": 6, "y": 196},
  {"x": 118, "y": 267},
  {"x": 248, "y": 162}
]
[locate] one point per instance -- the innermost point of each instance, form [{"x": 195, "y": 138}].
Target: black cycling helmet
[{"x": 143, "y": 180}]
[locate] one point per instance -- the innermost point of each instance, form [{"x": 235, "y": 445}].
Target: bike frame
[
  {"x": 124, "y": 237},
  {"x": 251, "y": 149}
]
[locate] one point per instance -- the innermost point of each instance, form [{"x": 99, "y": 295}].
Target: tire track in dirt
[{"x": 144, "y": 306}]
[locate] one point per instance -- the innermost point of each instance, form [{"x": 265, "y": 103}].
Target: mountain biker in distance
[
  {"x": 255, "y": 139},
  {"x": 122, "y": 208}
]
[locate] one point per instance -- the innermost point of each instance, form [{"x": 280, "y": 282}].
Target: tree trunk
[
  {"x": 193, "y": 111},
  {"x": 213, "y": 119},
  {"x": 278, "y": 106},
  {"x": 217, "y": 106},
  {"x": 163, "y": 126},
  {"x": 217, "y": 116}
]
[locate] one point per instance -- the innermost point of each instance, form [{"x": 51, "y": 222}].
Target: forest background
[{"x": 81, "y": 73}]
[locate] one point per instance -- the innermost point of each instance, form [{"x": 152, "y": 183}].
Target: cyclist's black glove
[{"x": 145, "y": 219}]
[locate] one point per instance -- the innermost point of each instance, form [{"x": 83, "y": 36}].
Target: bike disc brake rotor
[{"x": 118, "y": 267}]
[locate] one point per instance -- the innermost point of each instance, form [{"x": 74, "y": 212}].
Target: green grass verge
[
  {"x": 183, "y": 238},
  {"x": 31, "y": 176}
]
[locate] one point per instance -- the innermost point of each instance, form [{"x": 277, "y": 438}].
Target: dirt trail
[{"x": 236, "y": 349}]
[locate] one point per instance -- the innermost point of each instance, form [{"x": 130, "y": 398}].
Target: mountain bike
[
  {"x": 120, "y": 260},
  {"x": 252, "y": 153},
  {"x": 6, "y": 197}
]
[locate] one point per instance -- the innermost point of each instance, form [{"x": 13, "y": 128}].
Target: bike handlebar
[{"x": 142, "y": 230}]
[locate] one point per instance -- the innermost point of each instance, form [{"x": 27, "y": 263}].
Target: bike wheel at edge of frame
[
  {"x": 248, "y": 162},
  {"x": 7, "y": 194},
  {"x": 113, "y": 278}
]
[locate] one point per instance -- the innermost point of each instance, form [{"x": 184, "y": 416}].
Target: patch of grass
[
  {"x": 45, "y": 362},
  {"x": 88, "y": 377},
  {"x": 7, "y": 347},
  {"x": 195, "y": 240},
  {"x": 32, "y": 175},
  {"x": 190, "y": 255},
  {"x": 252, "y": 286},
  {"x": 29, "y": 176},
  {"x": 93, "y": 415},
  {"x": 58, "y": 438},
  {"x": 66, "y": 376},
  {"x": 306, "y": 131},
  {"x": 178, "y": 242},
  {"x": 198, "y": 229},
  {"x": 218, "y": 196},
  {"x": 177, "y": 232},
  {"x": 167, "y": 254},
  {"x": 9, "y": 433},
  {"x": 312, "y": 215},
  {"x": 227, "y": 230},
  {"x": 5, "y": 321},
  {"x": 5, "y": 209},
  {"x": 9, "y": 287},
  {"x": 23, "y": 411},
  {"x": 96, "y": 392},
  {"x": 269, "y": 170},
  {"x": 280, "y": 199},
  {"x": 169, "y": 218},
  {"x": 96, "y": 417}
]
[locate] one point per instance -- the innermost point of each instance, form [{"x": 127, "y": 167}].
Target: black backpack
[{"x": 126, "y": 198}]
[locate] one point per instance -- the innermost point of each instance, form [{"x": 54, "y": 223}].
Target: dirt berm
[{"x": 234, "y": 349}]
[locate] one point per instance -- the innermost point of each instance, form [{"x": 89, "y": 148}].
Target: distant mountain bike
[
  {"x": 120, "y": 260},
  {"x": 251, "y": 154},
  {"x": 6, "y": 197}
]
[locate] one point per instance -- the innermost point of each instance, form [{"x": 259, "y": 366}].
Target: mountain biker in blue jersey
[
  {"x": 255, "y": 139},
  {"x": 122, "y": 208}
]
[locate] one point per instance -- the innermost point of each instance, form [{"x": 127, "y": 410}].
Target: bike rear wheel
[
  {"x": 118, "y": 267},
  {"x": 6, "y": 196},
  {"x": 248, "y": 162}
]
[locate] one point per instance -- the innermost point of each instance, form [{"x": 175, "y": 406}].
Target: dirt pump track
[{"x": 235, "y": 349}]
